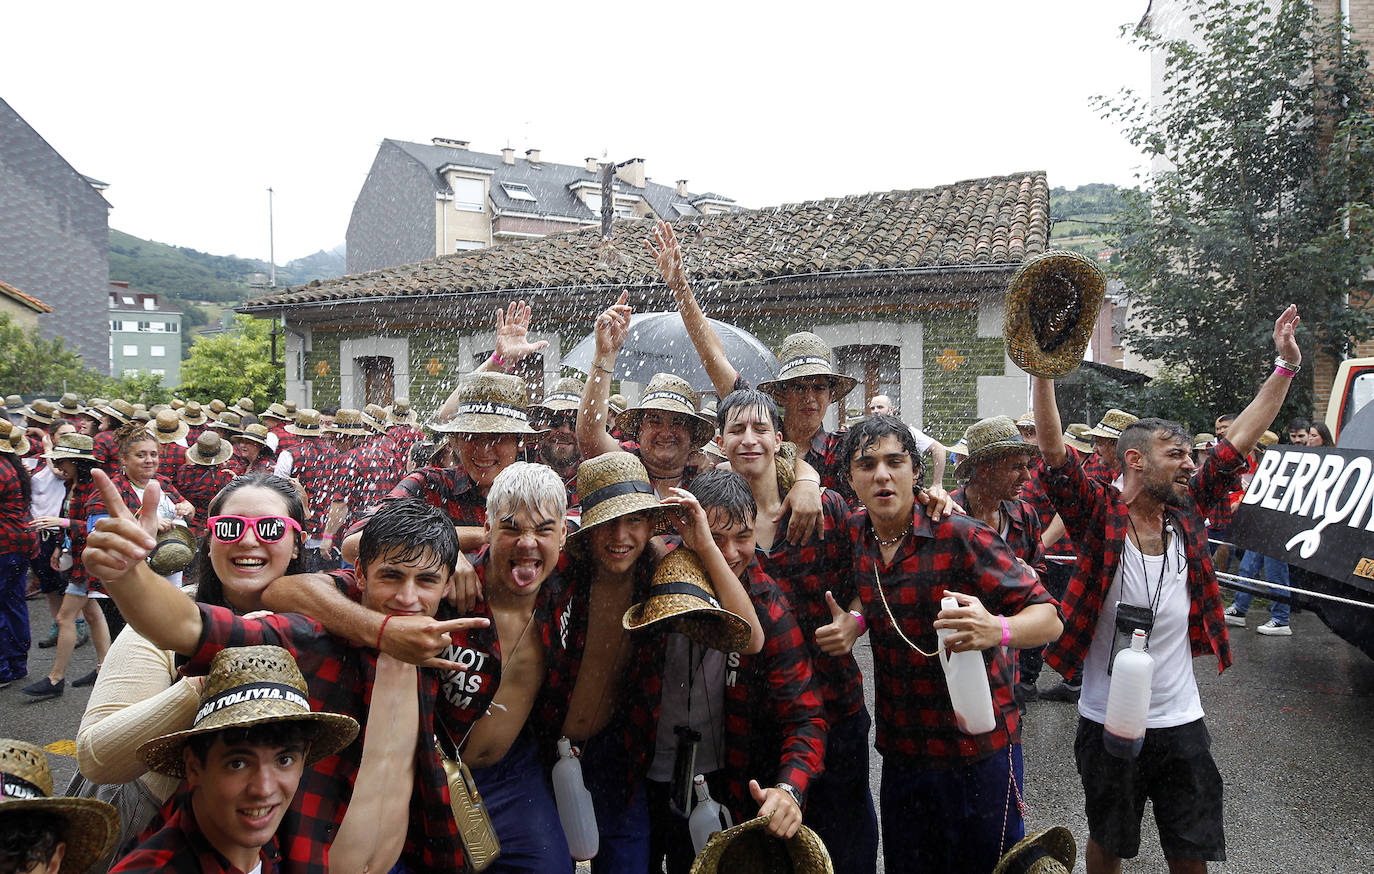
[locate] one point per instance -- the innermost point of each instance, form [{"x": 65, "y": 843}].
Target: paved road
[{"x": 1292, "y": 723}]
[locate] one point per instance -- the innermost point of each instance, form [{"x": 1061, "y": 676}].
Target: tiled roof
[
  {"x": 27, "y": 300},
  {"x": 973, "y": 224}
]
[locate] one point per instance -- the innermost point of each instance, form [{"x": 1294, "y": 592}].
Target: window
[
  {"x": 624, "y": 210},
  {"x": 114, "y": 326},
  {"x": 173, "y": 327},
  {"x": 469, "y": 194},
  {"x": 149, "y": 303},
  {"x": 158, "y": 351},
  {"x": 593, "y": 202},
  {"x": 127, "y": 299},
  {"x": 684, "y": 209},
  {"x": 145, "y": 326},
  {"x": 157, "y": 371},
  {"x": 130, "y": 349},
  {"x": 467, "y": 245},
  {"x": 132, "y": 371},
  {"x": 518, "y": 191}
]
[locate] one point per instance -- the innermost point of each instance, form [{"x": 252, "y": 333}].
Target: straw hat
[
  {"x": 400, "y": 413},
  {"x": 14, "y": 441},
  {"x": 92, "y": 826},
  {"x": 276, "y": 411},
  {"x": 671, "y": 394},
  {"x": 805, "y": 354},
  {"x": 1204, "y": 440},
  {"x": 13, "y": 402},
  {"x": 95, "y": 411},
  {"x": 193, "y": 414},
  {"x": 1267, "y": 439},
  {"x": 1050, "y": 851},
  {"x": 374, "y": 416},
  {"x": 40, "y": 410},
  {"x": 612, "y": 485},
  {"x": 959, "y": 450},
  {"x": 173, "y": 551},
  {"x": 307, "y": 424},
  {"x": 168, "y": 427},
  {"x": 566, "y": 394},
  {"x": 157, "y": 408},
  {"x": 290, "y": 407},
  {"x": 1025, "y": 420},
  {"x": 77, "y": 447},
  {"x": 489, "y": 403},
  {"x": 255, "y": 432},
  {"x": 245, "y": 407},
  {"x": 251, "y": 685},
  {"x": 349, "y": 423},
  {"x": 141, "y": 416},
  {"x": 1113, "y": 422},
  {"x": 992, "y": 438},
  {"x": 682, "y": 592},
  {"x": 1052, "y": 306},
  {"x": 140, "y": 407},
  {"x": 708, "y": 413},
  {"x": 177, "y": 404},
  {"x": 748, "y": 848},
  {"x": 69, "y": 405},
  {"x": 120, "y": 410},
  {"x": 229, "y": 422},
  {"x": 617, "y": 404},
  {"x": 1073, "y": 436},
  {"x": 209, "y": 450}
]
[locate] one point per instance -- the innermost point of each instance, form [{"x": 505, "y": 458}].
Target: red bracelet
[
  {"x": 381, "y": 631},
  {"x": 1006, "y": 630}
]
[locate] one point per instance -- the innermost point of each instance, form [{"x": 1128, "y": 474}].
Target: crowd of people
[{"x": 352, "y": 648}]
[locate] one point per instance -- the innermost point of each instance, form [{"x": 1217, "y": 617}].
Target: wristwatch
[{"x": 791, "y": 790}]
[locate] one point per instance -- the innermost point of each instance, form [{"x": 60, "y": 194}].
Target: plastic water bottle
[
  {"x": 708, "y": 816},
  {"x": 1128, "y": 699},
  {"x": 967, "y": 679},
  {"x": 574, "y": 802}
]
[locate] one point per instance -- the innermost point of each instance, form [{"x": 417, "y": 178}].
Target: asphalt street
[{"x": 1292, "y": 724}]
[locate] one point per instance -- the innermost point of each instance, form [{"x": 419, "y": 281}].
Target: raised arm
[
  {"x": 612, "y": 327},
  {"x": 939, "y": 454},
  {"x": 1047, "y": 423},
  {"x": 668, "y": 254},
  {"x": 512, "y": 345},
  {"x": 1250, "y": 424}
]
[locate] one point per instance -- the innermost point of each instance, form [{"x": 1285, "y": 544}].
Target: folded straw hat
[
  {"x": 671, "y": 394},
  {"x": 255, "y": 432},
  {"x": 276, "y": 411},
  {"x": 229, "y": 422},
  {"x": 251, "y": 685},
  {"x": 193, "y": 414},
  {"x": 77, "y": 447},
  {"x": 290, "y": 407},
  {"x": 13, "y": 402},
  {"x": 173, "y": 551},
  {"x": 805, "y": 354},
  {"x": 682, "y": 594},
  {"x": 992, "y": 438},
  {"x": 1073, "y": 436},
  {"x": 400, "y": 413},
  {"x": 176, "y": 403},
  {"x": 209, "y": 450},
  {"x": 748, "y": 848},
  {"x": 70, "y": 405},
  {"x": 1113, "y": 422},
  {"x": 565, "y": 395},
  {"x": 349, "y": 423},
  {"x": 1050, "y": 851},
  {"x": 167, "y": 426},
  {"x": 40, "y": 410},
  {"x": 612, "y": 485},
  {"x": 489, "y": 403},
  {"x": 1052, "y": 306},
  {"x": 13, "y": 439},
  {"x": 26, "y": 786},
  {"x": 307, "y": 424}
]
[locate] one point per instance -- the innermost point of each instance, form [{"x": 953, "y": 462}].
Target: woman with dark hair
[
  {"x": 1319, "y": 435},
  {"x": 18, "y": 542},
  {"x": 140, "y": 695}
]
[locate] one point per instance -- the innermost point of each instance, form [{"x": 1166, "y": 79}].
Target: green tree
[
  {"x": 1266, "y": 129},
  {"x": 31, "y": 365},
  {"x": 235, "y": 364}
]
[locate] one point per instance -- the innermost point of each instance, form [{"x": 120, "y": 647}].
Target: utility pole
[{"x": 271, "y": 244}]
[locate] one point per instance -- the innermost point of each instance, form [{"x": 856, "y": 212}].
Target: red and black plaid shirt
[
  {"x": 1097, "y": 469},
  {"x": 916, "y": 722},
  {"x": 1097, "y": 519},
  {"x": 180, "y": 846},
  {"x": 1023, "y": 530},
  {"x": 403, "y": 437},
  {"x": 805, "y": 573},
  {"x": 316, "y": 463},
  {"x": 15, "y": 515},
  {"x": 340, "y": 677},
  {"x": 1033, "y": 494},
  {"x": 266, "y": 462},
  {"x": 79, "y": 497},
  {"x": 193, "y": 432},
  {"x": 199, "y": 484},
  {"x": 446, "y": 488},
  {"x": 107, "y": 451},
  {"x": 368, "y": 473},
  {"x": 170, "y": 458}
]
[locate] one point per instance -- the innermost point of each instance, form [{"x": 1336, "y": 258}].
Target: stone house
[
  {"x": 23, "y": 309},
  {"x": 906, "y": 286}
]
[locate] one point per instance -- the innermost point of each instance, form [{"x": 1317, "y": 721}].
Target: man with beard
[
  {"x": 557, "y": 416},
  {"x": 1145, "y": 547}
]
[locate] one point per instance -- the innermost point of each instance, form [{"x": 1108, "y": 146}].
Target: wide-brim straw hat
[
  {"x": 1267, "y": 439},
  {"x": 349, "y": 423},
  {"x": 40, "y": 410},
  {"x": 1073, "y": 436},
  {"x": 1113, "y": 422},
  {"x": 254, "y": 432},
  {"x": 989, "y": 439},
  {"x": 276, "y": 411},
  {"x": 400, "y": 413},
  {"x": 616, "y": 403},
  {"x": 565, "y": 395},
  {"x": 217, "y": 406},
  {"x": 671, "y": 394},
  {"x": 306, "y": 424},
  {"x": 374, "y": 416},
  {"x": 173, "y": 551},
  {"x": 14, "y": 402},
  {"x": 77, "y": 447},
  {"x": 120, "y": 410},
  {"x": 209, "y": 450},
  {"x": 682, "y": 595},
  {"x": 805, "y": 354},
  {"x": 612, "y": 485},
  {"x": 1050, "y": 851},
  {"x": 251, "y": 685},
  {"x": 69, "y": 405},
  {"x": 92, "y": 825},
  {"x": 1205, "y": 440},
  {"x": 168, "y": 427},
  {"x": 1052, "y": 306},
  {"x": 193, "y": 413},
  {"x": 245, "y": 407},
  {"x": 14, "y": 440},
  {"x": 748, "y": 848},
  {"x": 489, "y": 403}
]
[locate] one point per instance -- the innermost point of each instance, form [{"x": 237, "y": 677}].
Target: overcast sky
[{"x": 191, "y": 111}]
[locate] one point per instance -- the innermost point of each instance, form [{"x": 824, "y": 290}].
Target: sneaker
[
  {"x": 1062, "y": 691},
  {"x": 1027, "y": 692},
  {"x": 88, "y": 680},
  {"x": 83, "y": 634},
  {"x": 1274, "y": 629},
  {"x": 51, "y": 640},
  {"x": 1233, "y": 617},
  {"x": 45, "y": 688}
]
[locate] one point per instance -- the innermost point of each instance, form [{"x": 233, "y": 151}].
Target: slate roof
[
  {"x": 27, "y": 300},
  {"x": 979, "y": 223}
]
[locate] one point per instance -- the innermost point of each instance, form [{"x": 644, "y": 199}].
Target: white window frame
[
  {"x": 519, "y": 191},
  {"x": 457, "y": 183},
  {"x": 157, "y": 351},
  {"x": 130, "y": 349}
]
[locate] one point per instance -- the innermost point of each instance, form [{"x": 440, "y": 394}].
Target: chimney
[
  {"x": 508, "y": 155},
  {"x": 631, "y": 172},
  {"x": 532, "y": 155},
  {"x": 591, "y": 165},
  {"x": 682, "y": 188},
  {"x": 451, "y": 143}
]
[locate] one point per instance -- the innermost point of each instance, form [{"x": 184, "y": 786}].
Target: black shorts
[{"x": 1175, "y": 770}]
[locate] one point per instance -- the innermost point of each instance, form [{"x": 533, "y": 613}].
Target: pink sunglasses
[{"x": 269, "y": 529}]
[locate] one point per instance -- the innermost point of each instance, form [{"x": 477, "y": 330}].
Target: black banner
[{"x": 1312, "y": 507}]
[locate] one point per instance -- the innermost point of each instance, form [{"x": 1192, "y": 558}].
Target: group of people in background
[{"x": 663, "y": 590}]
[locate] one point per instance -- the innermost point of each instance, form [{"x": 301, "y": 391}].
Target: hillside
[{"x": 1082, "y": 218}]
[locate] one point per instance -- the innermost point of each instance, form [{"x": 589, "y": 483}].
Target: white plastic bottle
[
  {"x": 574, "y": 802},
  {"x": 967, "y": 679},
  {"x": 708, "y": 816},
  {"x": 1128, "y": 699}
]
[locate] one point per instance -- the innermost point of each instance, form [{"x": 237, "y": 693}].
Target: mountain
[{"x": 1083, "y": 218}]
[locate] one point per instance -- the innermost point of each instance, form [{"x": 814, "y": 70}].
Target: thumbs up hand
[{"x": 837, "y": 638}]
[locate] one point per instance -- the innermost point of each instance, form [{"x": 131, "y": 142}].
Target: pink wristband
[
  {"x": 1006, "y": 630},
  {"x": 859, "y": 617},
  {"x": 1285, "y": 371},
  {"x": 498, "y": 361}
]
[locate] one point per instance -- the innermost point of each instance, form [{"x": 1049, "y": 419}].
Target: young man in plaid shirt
[
  {"x": 950, "y": 801},
  {"x": 1145, "y": 546}
]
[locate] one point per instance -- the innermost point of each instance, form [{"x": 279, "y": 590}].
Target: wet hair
[
  {"x": 725, "y": 491},
  {"x": 750, "y": 399},
  {"x": 407, "y": 530},
  {"x": 329, "y": 411},
  {"x": 423, "y": 454},
  {"x": 29, "y": 838},
  {"x": 25, "y": 484},
  {"x": 872, "y": 429},
  {"x": 534, "y": 487},
  {"x": 84, "y": 466},
  {"x": 132, "y": 434},
  {"x": 287, "y": 733},
  {"x": 1140, "y": 433},
  {"x": 1226, "y": 417},
  {"x": 1298, "y": 424},
  {"x": 209, "y": 589},
  {"x": 1325, "y": 432}
]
